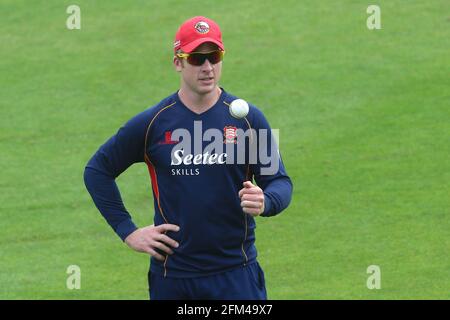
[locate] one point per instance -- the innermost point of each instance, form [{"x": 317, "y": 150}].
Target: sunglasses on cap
[{"x": 198, "y": 58}]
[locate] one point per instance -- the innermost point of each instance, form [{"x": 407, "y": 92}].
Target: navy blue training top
[{"x": 194, "y": 186}]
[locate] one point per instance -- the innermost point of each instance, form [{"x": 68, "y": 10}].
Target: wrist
[
  {"x": 267, "y": 206},
  {"x": 125, "y": 228}
]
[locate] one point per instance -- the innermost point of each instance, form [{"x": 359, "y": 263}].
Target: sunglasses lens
[
  {"x": 214, "y": 57},
  {"x": 197, "y": 59}
]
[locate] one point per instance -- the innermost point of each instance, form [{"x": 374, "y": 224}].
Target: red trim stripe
[
  {"x": 153, "y": 175},
  {"x": 151, "y": 170},
  {"x": 154, "y": 180}
]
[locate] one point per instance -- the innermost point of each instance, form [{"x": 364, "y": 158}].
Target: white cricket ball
[{"x": 239, "y": 108}]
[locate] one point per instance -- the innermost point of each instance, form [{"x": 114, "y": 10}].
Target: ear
[{"x": 178, "y": 64}]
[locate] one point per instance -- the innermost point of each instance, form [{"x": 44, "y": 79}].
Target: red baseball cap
[{"x": 194, "y": 32}]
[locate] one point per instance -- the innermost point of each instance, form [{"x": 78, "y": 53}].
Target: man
[{"x": 202, "y": 240}]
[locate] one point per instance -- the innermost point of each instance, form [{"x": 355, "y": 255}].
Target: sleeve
[
  {"x": 269, "y": 171},
  {"x": 122, "y": 150}
]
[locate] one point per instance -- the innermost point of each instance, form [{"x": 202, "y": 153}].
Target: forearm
[
  {"x": 106, "y": 196},
  {"x": 277, "y": 196}
]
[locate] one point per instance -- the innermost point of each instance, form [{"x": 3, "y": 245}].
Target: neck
[{"x": 199, "y": 103}]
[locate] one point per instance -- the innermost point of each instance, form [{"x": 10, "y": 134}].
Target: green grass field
[{"x": 364, "y": 118}]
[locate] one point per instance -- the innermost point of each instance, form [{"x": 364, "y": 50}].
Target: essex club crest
[
  {"x": 202, "y": 27},
  {"x": 230, "y": 134}
]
